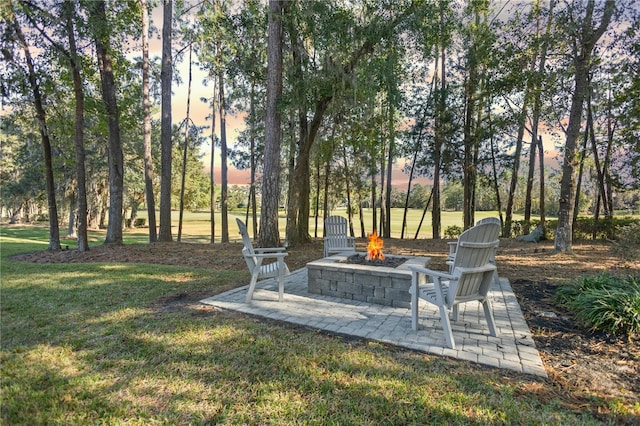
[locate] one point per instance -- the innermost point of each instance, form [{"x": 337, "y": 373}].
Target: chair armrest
[
  {"x": 269, "y": 249},
  {"x": 485, "y": 268},
  {"x": 430, "y": 272},
  {"x": 267, "y": 255},
  {"x": 480, "y": 245}
]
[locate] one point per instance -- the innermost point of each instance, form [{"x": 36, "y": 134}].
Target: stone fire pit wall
[{"x": 373, "y": 284}]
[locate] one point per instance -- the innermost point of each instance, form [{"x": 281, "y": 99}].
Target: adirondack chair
[
  {"x": 492, "y": 259},
  {"x": 254, "y": 258},
  {"x": 469, "y": 280},
  {"x": 337, "y": 239}
]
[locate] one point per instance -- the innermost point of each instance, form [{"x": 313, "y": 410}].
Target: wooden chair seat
[
  {"x": 469, "y": 280},
  {"x": 254, "y": 258},
  {"x": 337, "y": 239}
]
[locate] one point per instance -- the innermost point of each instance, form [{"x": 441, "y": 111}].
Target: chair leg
[
  {"x": 252, "y": 287},
  {"x": 414, "y": 301},
  {"x": 496, "y": 278},
  {"x": 446, "y": 326},
  {"x": 488, "y": 314},
  {"x": 454, "y": 315},
  {"x": 280, "y": 288}
]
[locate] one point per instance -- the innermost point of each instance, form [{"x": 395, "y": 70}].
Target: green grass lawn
[
  {"x": 197, "y": 225},
  {"x": 93, "y": 344}
]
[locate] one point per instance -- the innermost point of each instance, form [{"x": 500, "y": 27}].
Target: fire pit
[{"x": 383, "y": 281}]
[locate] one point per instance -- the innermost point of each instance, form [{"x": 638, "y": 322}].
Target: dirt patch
[{"x": 581, "y": 364}]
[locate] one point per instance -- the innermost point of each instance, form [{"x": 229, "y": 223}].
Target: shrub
[
  {"x": 628, "y": 245},
  {"x": 453, "y": 231},
  {"x": 605, "y": 302},
  {"x": 585, "y": 228}
]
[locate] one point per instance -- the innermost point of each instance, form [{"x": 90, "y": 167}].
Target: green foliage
[
  {"x": 587, "y": 228},
  {"x": 628, "y": 245},
  {"x": 605, "y": 302},
  {"x": 453, "y": 231}
]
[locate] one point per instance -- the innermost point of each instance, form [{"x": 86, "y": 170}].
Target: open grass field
[
  {"x": 197, "y": 224},
  {"x": 127, "y": 343}
]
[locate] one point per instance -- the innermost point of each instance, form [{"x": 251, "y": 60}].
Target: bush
[
  {"x": 585, "y": 228},
  {"x": 605, "y": 302},
  {"x": 453, "y": 231},
  {"x": 628, "y": 245}
]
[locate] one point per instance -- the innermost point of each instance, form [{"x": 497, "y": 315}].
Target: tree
[
  {"x": 146, "y": 128},
  {"x": 536, "y": 113},
  {"x": 83, "y": 242},
  {"x": 115, "y": 157},
  {"x": 585, "y": 36},
  {"x": 336, "y": 70},
  {"x": 54, "y": 230},
  {"x": 269, "y": 235},
  {"x": 165, "y": 132}
]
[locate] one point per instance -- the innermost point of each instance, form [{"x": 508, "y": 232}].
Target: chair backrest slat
[
  {"x": 248, "y": 245},
  {"x": 474, "y": 250}
]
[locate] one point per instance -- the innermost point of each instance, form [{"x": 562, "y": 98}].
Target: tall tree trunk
[
  {"x": 424, "y": 213},
  {"x": 407, "y": 197},
  {"x": 438, "y": 144},
  {"x": 585, "y": 41},
  {"x": 269, "y": 235},
  {"x": 325, "y": 205},
  {"x": 522, "y": 122},
  {"x": 185, "y": 149},
  {"x": 387, "y": 226},
  {"x": 543, "y": 218},
  {"x": 361, "y": 215},
  {"x": 373, "y": 200},
  {"x": 299, "y": 197},
  {"x": 71, "y": 227},
  {"x": 468, "y": 179},
  {"x": 146, "y": 107},
  {"x": 494, "y": 165},
  {"x": 293, "y": 197},
  {"x": 292, "y": 212},
  {"x": 416, "y": 150},
  {"x": 582, "y": 156},
  {"x": 606, "y": 166},
  {"x": 212, "y": 176},
  {"x": 383, "y": 209},
  {"x": 537, "y": 107},
  {"x": 529, "y": 190},
  {"x": 252, "y": 142},
  {"x": 347, "y": 180},
  {"x": 165, "y": 129},
  {"x": 224, "y": 164},
  {"x": 317, "y": 198},
  {"x": 78, "y": 139},
  {"x": 596, "y": 157},
  {"x": 537, "y": 104},
  {"x": 54, "y": 229},
  {"x": 115, "y": 157}
]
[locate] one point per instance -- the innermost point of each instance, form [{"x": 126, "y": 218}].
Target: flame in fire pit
[{"x": 374, "y": 248}]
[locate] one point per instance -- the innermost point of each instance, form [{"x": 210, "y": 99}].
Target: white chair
[
  {"x": 337, "y": 239},
  {"x": 254, "y": 258},
  {"x": 492, "y": 260},
  {"x": 470, "y": 279}
]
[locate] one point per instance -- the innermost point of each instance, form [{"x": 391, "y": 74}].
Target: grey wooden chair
[
  {"x": 254, "y": 258},
  {"x": 453, "y": 245},
  {"x": 469, "y": 279},
  {"x": 337, "y": 239}
]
